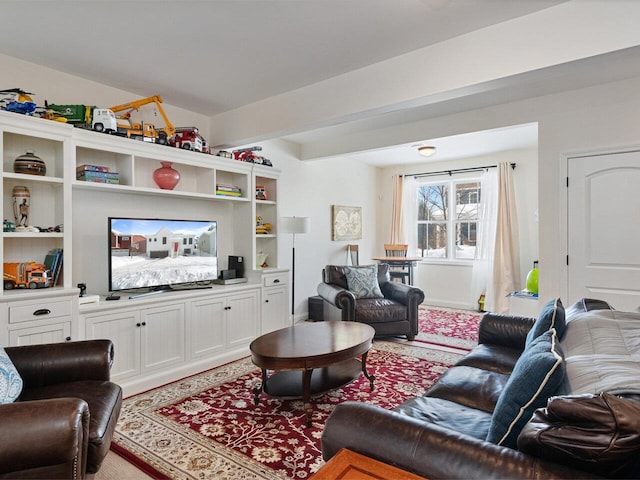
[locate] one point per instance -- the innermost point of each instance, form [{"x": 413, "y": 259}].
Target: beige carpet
[{"x": 115, "y": 467}]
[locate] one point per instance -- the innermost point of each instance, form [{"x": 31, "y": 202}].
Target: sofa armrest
[
  {"x": 340, "y": 298},
  {"x": 402, "y": 293},
  {"x": 428, "y": 450},
  {"x": 52, "y": 363},
  {"x": 506, "y": 330},
  {"x": 44, "y": 438}
]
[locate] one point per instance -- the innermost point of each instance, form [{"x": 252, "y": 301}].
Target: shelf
[
  {"x": 32, "y": 234},
  {"x": 32, "y": 178}
]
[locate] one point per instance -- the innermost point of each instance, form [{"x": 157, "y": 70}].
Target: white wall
[
  {"x": 309, "y": 189},
  {"x": 449, "y": 283}
]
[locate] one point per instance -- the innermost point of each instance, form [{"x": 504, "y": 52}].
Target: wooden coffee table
[{"x": 311, "y": 358}]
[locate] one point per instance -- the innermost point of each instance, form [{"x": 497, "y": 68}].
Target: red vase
[{"x": 166, "y": 177}]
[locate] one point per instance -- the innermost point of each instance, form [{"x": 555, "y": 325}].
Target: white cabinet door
[
  {"x": 52, "y": 333},
  {"x": 274, "y": 309},
  {"x": 163, "y": 339},
  {"x": 207, "y": 331},
  {"x": 242, "y": 318},
  {"x": 123, "y": 330}
]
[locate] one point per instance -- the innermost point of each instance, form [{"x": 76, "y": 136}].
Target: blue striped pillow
[{"x": 537, "y": 375}]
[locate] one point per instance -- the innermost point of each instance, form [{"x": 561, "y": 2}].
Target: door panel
[{"x": 603, "y": 211}]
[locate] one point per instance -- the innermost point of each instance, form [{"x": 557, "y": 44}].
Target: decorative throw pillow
[
  {"x": 537, "y": 375},
  {"x": 363, "y": 281},
  {"x": 551, "y": 316},
  {"x": 10, "y": 381}
]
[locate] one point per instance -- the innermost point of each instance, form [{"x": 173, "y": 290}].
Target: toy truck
[
  {"x": 85, "y": 116},
  {"x": 188, "y": 138},
  {"x": 26, "y": 275},
  {"x": 144, "y": 131}
]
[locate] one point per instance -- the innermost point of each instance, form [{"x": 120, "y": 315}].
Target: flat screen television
[{"x": 151, "y": 254}]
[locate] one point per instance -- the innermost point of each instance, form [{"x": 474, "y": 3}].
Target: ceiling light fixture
[{"x": 427, "y": 151}]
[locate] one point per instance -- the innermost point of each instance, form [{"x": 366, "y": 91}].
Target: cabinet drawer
[
  {"x": 275, "y": 279},
  {"x": 39, "y": 311}
]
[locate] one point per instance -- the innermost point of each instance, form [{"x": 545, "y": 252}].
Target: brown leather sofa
[
  {"x": 62, "y": 424},
  {"x": 394, "y": 314},
  {"x": 443, "y": 434}
]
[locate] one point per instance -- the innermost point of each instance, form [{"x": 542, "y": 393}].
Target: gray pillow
[{"x": 363, "y": 281}]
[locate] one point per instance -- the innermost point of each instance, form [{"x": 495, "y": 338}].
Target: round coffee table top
[{"x": 311, "y": 345}]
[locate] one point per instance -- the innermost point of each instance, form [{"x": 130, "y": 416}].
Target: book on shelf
[
  {"x": 90, "y": 174},
  {"x": 53, "y": 262},
  {"x": 228, "y": 194},
  {"x": 228, "y": 188},
  {"x": 91, "y": 168}
]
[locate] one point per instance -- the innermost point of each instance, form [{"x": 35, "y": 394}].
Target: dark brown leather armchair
[
  {"x": 395, "y": 314},
  {"x": 62, "y": 424}
]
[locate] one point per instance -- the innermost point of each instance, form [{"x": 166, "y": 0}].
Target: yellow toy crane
[{"x": 147, "y": 131}]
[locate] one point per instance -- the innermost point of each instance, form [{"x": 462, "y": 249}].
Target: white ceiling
[{"x": 212, "y": 56}]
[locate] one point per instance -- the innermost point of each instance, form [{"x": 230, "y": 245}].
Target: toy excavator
[{"x": 140, "y": 130}]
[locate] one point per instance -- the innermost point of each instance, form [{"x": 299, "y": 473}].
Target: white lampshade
[{"x": 295, "y": 224}]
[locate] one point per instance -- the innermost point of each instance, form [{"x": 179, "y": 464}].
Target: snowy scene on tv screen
[{"x": 154, "y": 253}]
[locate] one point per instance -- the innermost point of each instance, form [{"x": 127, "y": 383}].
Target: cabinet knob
[
  {"x": 144, "y": 324},
  {"x": 68, "y": 339},
  {"x": 266, "y": 301},
  {"x": 138, "y": 324},
  {"x": 42, "y": 311},
  {"x": 277, "y": 280}
]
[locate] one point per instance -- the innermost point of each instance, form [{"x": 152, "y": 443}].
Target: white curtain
[
  {"x": 410, "y": 215},
  {"x": 482, "y": 277},
  {"x": 506, "y": 260},
  {"x": 496, "y": 272},
  {"x": 397, "y": 230}
]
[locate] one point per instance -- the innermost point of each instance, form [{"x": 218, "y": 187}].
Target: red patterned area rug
[
  {"x": 207, "y": 426},
  {"x": 448, "y": 327}
]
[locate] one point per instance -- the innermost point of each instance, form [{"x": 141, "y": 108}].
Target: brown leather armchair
[
  {"x": 62, "y": 424},
  {"x": 395, "y": 314}
]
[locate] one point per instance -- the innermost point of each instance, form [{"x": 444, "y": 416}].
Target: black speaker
[
  {"x": 237, "y": 263},
  {"x": 316, "y": 309}
]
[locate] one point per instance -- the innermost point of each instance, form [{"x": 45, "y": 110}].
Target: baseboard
[{"x": 449, "y": 304}]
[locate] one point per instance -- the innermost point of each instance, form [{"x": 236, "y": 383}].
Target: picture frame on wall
[{"x": 346, "y": 223}]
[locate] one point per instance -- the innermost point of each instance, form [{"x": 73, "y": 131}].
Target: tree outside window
[{"x": 436, "y": 220}]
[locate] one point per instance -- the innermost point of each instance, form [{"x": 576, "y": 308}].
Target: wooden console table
[{"x": 349, "y": 465}]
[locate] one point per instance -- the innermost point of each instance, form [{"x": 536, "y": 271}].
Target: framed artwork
[{"x": 347, "y": 223}]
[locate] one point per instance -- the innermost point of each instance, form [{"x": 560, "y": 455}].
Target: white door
[{"x": 604, "y": 229}]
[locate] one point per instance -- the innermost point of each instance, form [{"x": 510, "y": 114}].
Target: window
[{"x": 436, "y": 202}]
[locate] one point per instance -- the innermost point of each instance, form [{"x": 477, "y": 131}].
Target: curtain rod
[{"x": 455, "y": 170}]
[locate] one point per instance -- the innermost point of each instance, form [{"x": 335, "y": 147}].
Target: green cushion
[
  {"x": 363, "y": 281},
  {"x": 537, "y": 375},
  {"x": 10, "y": 380},
  {"x": 551, "y": 316}
]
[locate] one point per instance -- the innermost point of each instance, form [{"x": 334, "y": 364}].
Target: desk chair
[
  {"x": 399, "y": 270},
  {"x": 352, "y": 255}
]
